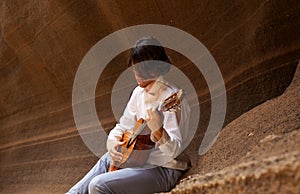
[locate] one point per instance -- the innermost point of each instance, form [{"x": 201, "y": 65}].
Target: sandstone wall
[{"x": 255, "y": 43}]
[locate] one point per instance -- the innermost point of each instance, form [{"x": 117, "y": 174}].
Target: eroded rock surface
[
  {"x": 264, "y": 156},
  {"x": 255, "y": 43}
]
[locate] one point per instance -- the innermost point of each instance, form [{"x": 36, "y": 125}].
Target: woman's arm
[{"x": 165, "y": 131}]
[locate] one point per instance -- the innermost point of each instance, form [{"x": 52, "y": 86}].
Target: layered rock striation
[{"x": 42, "y": 43}]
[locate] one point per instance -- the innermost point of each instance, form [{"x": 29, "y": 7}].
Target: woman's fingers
[
  {"x": 116, "y": 156},
  {"x": 119, "y": 143},
  {"x": 113, "y": 151},
  {"x": 149, "y": 116},
  {"x": 154, "y": 119}
]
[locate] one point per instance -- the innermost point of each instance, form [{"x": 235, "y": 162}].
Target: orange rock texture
[{"x": 255, "y": 43}]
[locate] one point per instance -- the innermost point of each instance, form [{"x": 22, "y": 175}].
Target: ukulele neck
[{"x": 138, "y": 131}]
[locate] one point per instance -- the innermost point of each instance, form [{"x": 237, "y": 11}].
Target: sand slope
[{"x": 259, "y": 152}]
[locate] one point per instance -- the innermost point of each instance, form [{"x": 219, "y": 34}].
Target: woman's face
[{"x": 142, "y": 82}]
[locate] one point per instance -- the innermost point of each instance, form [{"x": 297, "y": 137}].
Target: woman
[{"x": 165, "y": 163}]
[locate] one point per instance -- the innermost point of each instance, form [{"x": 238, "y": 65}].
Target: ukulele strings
[{"x": 143, "y": 125}]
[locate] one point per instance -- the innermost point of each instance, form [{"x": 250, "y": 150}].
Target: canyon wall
[{"x": 256, "y": 45}]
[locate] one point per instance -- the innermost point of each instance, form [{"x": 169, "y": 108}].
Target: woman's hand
[
  {"x": 154, "y": 119},
  {"x": 112, "y": 148},
  {"x": 155, "y": 123}
]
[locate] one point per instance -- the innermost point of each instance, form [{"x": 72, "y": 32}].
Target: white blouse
[{"x": 168, "y": 149}]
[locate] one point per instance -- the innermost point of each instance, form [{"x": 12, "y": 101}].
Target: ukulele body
[{"x": 135, "y": 153}]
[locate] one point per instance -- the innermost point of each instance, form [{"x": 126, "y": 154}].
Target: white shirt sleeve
[{"x": 171, "y": 143}]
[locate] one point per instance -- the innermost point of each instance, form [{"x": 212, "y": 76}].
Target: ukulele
[{"x": 138, "y": 144}]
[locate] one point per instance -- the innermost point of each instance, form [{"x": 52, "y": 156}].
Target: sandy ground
[{"x": 259, "y": 152}]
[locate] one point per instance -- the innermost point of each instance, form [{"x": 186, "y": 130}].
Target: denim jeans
[{"x": 128, "y": 180}]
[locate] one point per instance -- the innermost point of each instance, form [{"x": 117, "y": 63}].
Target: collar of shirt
[
  {"x": 159, "y": 85},
  {"x": 154, "y": 95}
]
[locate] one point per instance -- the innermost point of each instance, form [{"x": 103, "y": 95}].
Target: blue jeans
[{"x": 128, "y": 180}]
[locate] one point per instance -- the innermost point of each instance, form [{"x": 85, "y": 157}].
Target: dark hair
[{"x": 149, "y": 58}]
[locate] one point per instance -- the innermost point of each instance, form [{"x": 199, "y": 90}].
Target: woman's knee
[{"x": 98, "y": 185}]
